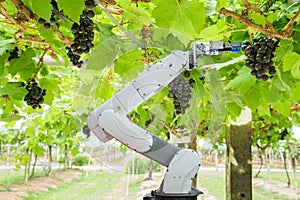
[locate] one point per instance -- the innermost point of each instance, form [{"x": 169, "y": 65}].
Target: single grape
[
  {"x": 41, "y": 21},
  {"x": 47, "y": 25}
]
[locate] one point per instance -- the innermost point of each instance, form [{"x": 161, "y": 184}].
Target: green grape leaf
[
  {"x": 49, "y": 97},
  {"x": 263, "y": 109},
  {"x": 104, "y": 90},
  {"x": 292, "y": 62},
  {"x": 233, "y": 109},
  {"x": 187, "y": 17},
  {"x": 44, "y": 70},
  {"x": 81, "y": 104},
  {"x": 285, "y": 47},
  {"x": 273, "y": 16},
  {"x": 85, "y": 89},
  {"x": 5, "y": 44},
  {"x": 283, "y": 107},
  {"x": 220, "y": 4},
  {"x": 252, "y": 97},
  {"x": 270, "y": 93},
  {"x": 9, "y": 7},
  {"x": 296, "y": 92},
  {"x": 243, "y": 82},
  {"x": 2, "y": 64},
  {"x": 49, "y": 83},
  {"x": 105, "y": 31},
  {"x": 24, "y": 65},
  {"x": 142, "y": 114},
  {"x": 14, "y": 92},
  {"x": 258, "y": 19},
  {"x": 136, "y": 16},
  {"x": 198, "y": 88},
  {"x": 41, "y": 7},
  {"x": 173, "y": 43},
  {"x": 38, "y": 150},
  {"x": 217, "y": 29},
  {"x": 51, "y": 37},
  {"x": 10, "y": 118},
  {"x": 129, "y": 65},
  {"x": 71, "y": 8},
  {"x": 104, "y": 54}
]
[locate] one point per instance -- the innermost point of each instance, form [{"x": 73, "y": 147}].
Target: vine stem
[
  {"x": 249, "y": 23},
  {"x": 40, "y": 62},
  {"x": 132, "y": 37},
  {"x": 27, "y": 13},
  {"x": 30, "y": 16},
  {"x": 11, "y": 23},
  {"x": 250, "y": 6},
  {"x": 10, "y": 18},
  {"x": 289, "y": 26},
  {"x": 33, "y": 41}
]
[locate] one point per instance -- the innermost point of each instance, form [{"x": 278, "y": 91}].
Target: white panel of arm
[
  {"x": 93, "y": 119},
  {"x": 160, "y": 74},
  {"x": 123, "y": 102},
  {"x": 182, "y": 168},
  {"x": 121, "y": 128}
]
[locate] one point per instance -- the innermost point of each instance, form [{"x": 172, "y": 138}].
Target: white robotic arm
[{"x": 110, "y": 120}]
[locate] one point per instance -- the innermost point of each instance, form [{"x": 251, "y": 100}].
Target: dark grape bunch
[
  {"x": 13, "y": 54},
  {"x": 35, "y": 95},
  {"x": 74, "y": 58},
  {"x": 83, "y": 35},
  {"x": 53, "y": 18},
  {"x": 180, "y": 91},
  {"x": 259, "y": 57}
]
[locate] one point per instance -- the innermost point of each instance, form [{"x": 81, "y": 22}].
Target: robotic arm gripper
[{"x": 110, "y": 120}]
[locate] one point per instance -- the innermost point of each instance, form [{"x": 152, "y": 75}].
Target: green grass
[
  {"x": 96, "y": 186},
  {"x": 215, "y": 184},
  {"x": 280, "y": 176},
  {"x": 259, "y": 194},
  {"x": 10, "y": 177},
  {"x": 13, "y": 176}
]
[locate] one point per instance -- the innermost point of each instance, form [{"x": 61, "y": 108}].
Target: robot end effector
[{"x": 211, "y": 48}]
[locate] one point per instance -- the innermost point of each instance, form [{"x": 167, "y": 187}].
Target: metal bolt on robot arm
[{"x": 110, "y": 120}]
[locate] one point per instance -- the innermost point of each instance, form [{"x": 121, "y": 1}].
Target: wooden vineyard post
[
  {"x": 193, "y": 145},
  {"x": 238, "y": 158}
]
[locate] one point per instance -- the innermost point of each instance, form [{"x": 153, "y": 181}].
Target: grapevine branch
[
  {"x": 27, "y": 13},
  {"x": 33, "y": 41},
  {"x": 30, "y": 16},
  {"x": 250, "y": 6},
  {"x": 10, "y": 18},
  {"x": 249, "y": 23},
  {"x": 289, "y": 26},
  {"x": 40, "y": 63},
  {"x": 5, "y": 21},
  {"x": 132, "y": 37}
]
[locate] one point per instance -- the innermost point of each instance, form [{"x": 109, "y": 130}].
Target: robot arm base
[{"x": 155, "y": 195}]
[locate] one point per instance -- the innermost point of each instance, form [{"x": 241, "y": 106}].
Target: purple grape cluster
[
  {"x": 35, "y": 95},
  {"x": 83, "y": 34},
  {"x": 259, "y": 54},
  {"x": 180, "y": 92},
  {"x": 13, "y": 54}
]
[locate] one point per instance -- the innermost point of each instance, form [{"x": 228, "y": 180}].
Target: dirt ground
[
  {"x": 38, "y": 184},
  {"x": 58, "y": 178}
]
